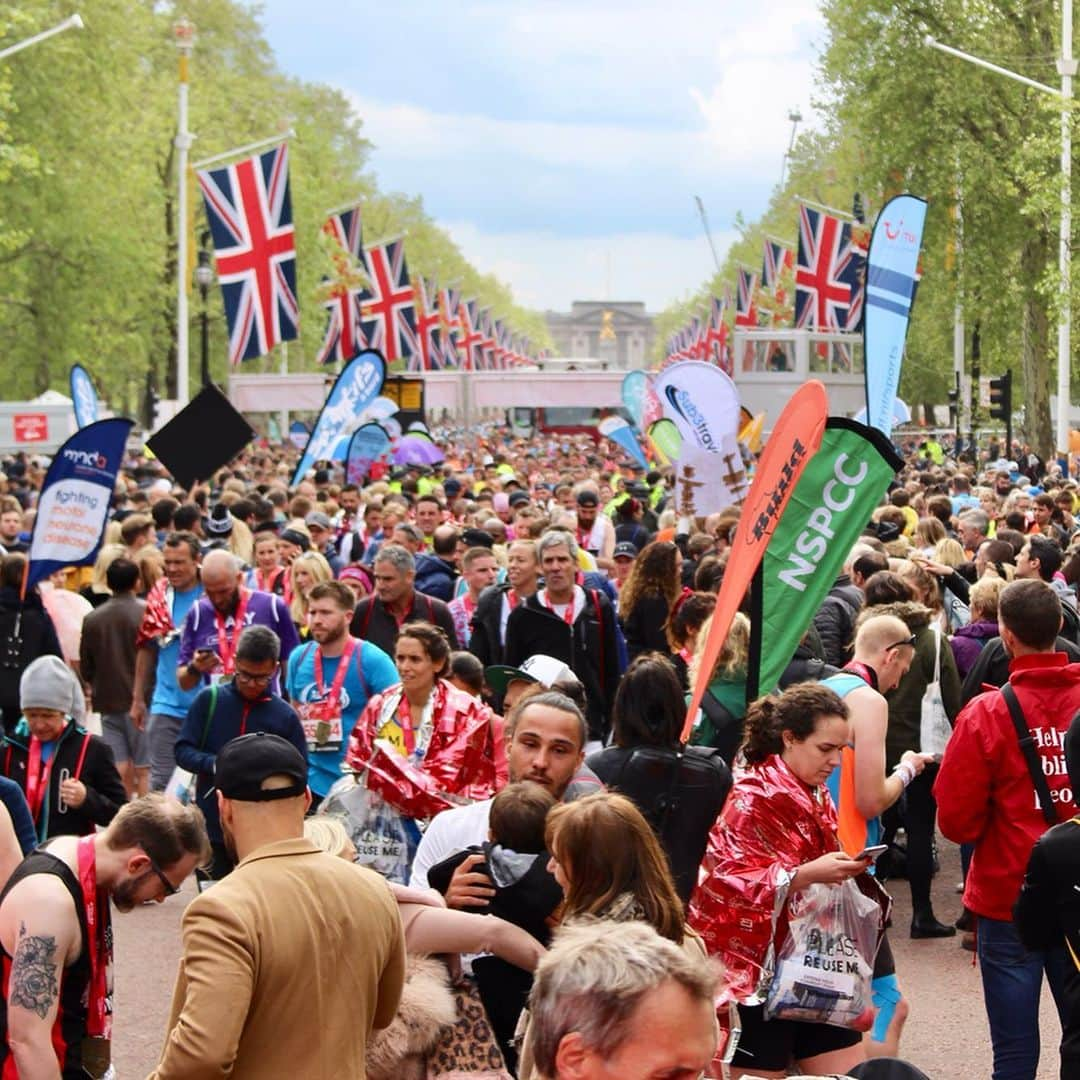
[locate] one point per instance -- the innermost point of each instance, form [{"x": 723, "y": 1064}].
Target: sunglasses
[
  {"x": 166, "y": 884},
  {"x": 907, "y": 641}
]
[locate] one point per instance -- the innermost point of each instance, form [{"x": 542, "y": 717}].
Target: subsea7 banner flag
[
  {"x": 833, "y": 501},
  {"x": 73, "y": 509},
  {"x": 355, "y": 388},
  {"x": 794, "y": 440},
  {"x": 890, "y": 291}
]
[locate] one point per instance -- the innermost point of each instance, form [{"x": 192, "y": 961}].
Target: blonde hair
[
  {"x": 949, "y": 552},
  {"x": 731, "y": 663},
  {"x": 108, "y": 554},
  {"x": 984, "y": 596},
  {"x": 328, "y": 832},
  {"x": 151, "y": 564},
  {"x": 319, "y": 569},
  {"x": 241, "y": 540}
]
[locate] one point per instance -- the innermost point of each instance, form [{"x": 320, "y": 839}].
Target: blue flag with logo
[
  {"x": 83, "y": 396},
  {"x": 73, "y": 509},
  {"x": 366, "y": 446},
  {"x": 355, "y": 388},
  {"x": 891, "y": 267}
]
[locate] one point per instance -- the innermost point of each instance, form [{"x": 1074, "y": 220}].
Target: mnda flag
[{"x": 832, "y": 503}]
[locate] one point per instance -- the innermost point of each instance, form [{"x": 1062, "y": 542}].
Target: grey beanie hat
[{"x": 48, "y": 683}]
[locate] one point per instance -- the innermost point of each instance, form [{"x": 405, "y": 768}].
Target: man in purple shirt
[{"x": 212, "y": 627}]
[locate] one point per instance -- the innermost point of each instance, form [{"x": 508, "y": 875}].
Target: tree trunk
[{"x": 1035, "y": 354}]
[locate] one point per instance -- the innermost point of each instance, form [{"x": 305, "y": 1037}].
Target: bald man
[{"x": 212, "y": 627}]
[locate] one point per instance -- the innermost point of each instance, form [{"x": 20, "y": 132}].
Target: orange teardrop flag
[{"x": 794, "y": 440}]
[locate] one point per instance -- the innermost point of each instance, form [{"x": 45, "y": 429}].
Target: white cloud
[{"x": 551, "y": 271}]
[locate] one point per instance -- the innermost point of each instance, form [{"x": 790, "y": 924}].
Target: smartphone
[{"x": 872, "y": 852}]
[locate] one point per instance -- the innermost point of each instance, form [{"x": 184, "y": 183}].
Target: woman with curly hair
[{"x": 647, "y": 596}]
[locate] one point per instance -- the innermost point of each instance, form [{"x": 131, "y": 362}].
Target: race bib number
[{"x": 322, "y": 726}]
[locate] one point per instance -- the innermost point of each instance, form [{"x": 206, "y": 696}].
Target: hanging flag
[
  {"x": 83, "y": 396},
  {"x": 486, "y": 344},
  {"x": 716, "y": 334},
  {"x": 449, "y": 325},
  {"x": 353, "y": 390},
  {"x": 890, "y": 288},
  {"x": 469, "y": 337},
  {"x": 746, "y": 312},
  {"x": 827, "y": 273},
  {"x": 367, "y": 445},
  {"x": 429, "y": 357},
  {"x": 73, "y": 508},
  {"x": 833, "y": 501},
  {"x": 388, "y": 303},
  {"x": 250, "y": 215},
  {"x": 794, "y": 440},
  {"x": 340, "y": 294}
]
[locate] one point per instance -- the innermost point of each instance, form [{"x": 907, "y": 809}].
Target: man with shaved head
[
  {"x": 884, "y": 650},
  {"x": 212, "y": 627}
]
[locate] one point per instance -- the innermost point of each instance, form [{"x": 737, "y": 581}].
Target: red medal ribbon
[
  {"x": 511, "y": 599},
  {"x": 332, "y": 700},
  {"x": 227, "y": 648},
  {"x": 567, "y": 616},
  {"x": 408, "y": 735},
  {"x": 96, "y": 906},
  {"x": 37, "y": 778}
]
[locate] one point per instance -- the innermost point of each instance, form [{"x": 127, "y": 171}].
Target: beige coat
[{"x": 288, "y": 964}]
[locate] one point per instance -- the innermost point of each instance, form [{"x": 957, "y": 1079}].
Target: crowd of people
[{"x": 440, "y": 715}]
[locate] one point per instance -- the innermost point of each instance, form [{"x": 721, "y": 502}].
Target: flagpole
[
  {"x": 354, "y": 205},
  {"x": 248, "y": 148},
  {"x": 827, "y": 209},
  {"x": 72, "y": 22},
  {"x": 184, "y": 32}
]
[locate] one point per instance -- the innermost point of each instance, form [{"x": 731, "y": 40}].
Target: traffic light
[{"x": 1001, "y": 397}]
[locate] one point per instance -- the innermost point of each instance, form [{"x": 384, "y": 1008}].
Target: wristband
[{"x": 906, "y": 771}]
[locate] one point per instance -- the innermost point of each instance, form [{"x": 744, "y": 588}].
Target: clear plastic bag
[
  {"x": 385, "y": 840},
  {"x": 934, "y": 726},
  {"x": 825, "y": 965}
]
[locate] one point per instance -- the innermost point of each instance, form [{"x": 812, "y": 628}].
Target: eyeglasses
[
  {"x": 166, "y": 884},
  {"x": 896, "y": 644},
  {"x": 251, "y": 678}
]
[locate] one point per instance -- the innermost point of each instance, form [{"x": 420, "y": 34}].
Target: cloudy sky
[{"x": 561, "y": 142}]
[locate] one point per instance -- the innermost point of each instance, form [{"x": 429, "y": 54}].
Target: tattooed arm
[{"x": 46, "y": 939}]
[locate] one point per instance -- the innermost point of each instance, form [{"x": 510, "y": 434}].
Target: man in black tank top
[{"x": 56, "y": 938}]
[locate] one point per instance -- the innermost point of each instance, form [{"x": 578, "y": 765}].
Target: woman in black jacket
[
  {"x": 680, "y": 791},
  {"x": 646, "y": 598}
]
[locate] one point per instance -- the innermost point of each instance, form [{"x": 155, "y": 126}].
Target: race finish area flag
[
  {"x": 794, "y": 440},
  {"x": 83, "y": 396},
  {"x": 353, "y": 390},
  {"x": 74, "y": 506},
  {"x": 892, "y": 266},
  {"x": 833, "y": 501},
  {"x": 250, "y": 215}
]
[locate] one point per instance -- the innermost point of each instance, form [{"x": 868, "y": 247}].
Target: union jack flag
[
  {"x": 388, "y": 304},
  {"x": 746, "y": 310},
  {"x": 449, "y": 325},
  {"x": 250, "y": 215},
  {"x": 343, "y": 338},
  {"x": 486, "y": 344},
  {"x": 716, "y": 346},
  {"x": 428, "y": 331},
  {"x": 828, "y": 295},
  {"x": 469, "y": 337},
  {"x": 778, "y": 259}
]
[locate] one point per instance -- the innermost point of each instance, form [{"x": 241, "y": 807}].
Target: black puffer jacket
[{"x": 835, "y": 620}]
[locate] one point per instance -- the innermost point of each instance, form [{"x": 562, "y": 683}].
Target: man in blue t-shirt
[
  {"x": 330, "y": 680},
  {"x": 213, "y": 626},
  {"x": 158, "y": 652}
]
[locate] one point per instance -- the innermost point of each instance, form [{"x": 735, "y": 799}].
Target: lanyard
[
  {"x": 401, "y": 620},
  {"x": 339, "y": 676},
  {"x": 568, "y": 615},
  {"x": 227, "y": 648},
  {"x": 408, "y": 734},
  {"x": 511, "y": 599},
  {"x": 96, "y": 907},
  {"x": 37, "y": 778},
  {"x": 267, "y": 584},
  {"x": 468, "y": 603}
]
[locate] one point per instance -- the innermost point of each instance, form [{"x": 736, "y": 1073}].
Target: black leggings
[{"x": 917, "y": 813}]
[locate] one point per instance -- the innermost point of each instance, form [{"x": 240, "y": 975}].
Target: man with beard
[
  {"x": 56, "y": 937},
  {"x": 307, "y": 1005},
  {"x": 496, "y": 602},
  {"x": 330, "y": 680},
  {"x": 213, "y": 626}
]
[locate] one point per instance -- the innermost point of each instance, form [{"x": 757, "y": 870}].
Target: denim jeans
[{"x": 1012, "y": 984}]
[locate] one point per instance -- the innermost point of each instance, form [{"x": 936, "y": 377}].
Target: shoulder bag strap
[
  {"x": 594, "y": 593},
  {"x": 359, "y": 654},
  {"x": 1031, "y": 756},
  {"x": 209, "y": 715},
  {"x": 937, "y": 652}
]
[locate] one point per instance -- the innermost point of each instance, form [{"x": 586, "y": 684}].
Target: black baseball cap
[
  {"x": 625, "y": 550},
  {"x": 246, "y": 762},
  {"x": 588, "y": 498}
]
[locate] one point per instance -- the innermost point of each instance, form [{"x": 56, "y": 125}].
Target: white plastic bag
[
  {"x": 825, "y": 965},
  {"x": 934, "y": 726},
  {"x": 383, "y": 839}
]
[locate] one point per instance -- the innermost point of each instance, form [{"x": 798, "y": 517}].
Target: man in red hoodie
[{"x": 987, "y": 795}]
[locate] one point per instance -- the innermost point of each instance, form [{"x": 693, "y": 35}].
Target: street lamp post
[
  {"x": 1066, "y": 66},
  {"x": 204, "y": 278},
  {"x": 184, "y": 33}
]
